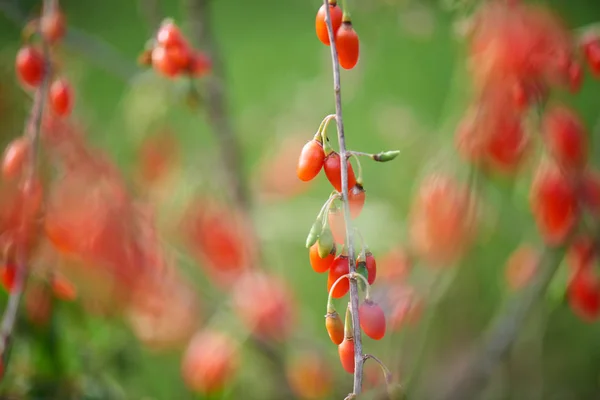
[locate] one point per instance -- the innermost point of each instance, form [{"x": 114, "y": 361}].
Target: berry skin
[
  {"x": 372, "y": 320},
  {"x": 371, "y": 267},
  {"x": 333, "y": 171},
  {"x": 7, "y": 277},
  {"x": 337, "y": 224},
  {"x": 163, "y": 63},
  {"x": 310, "y": 161},
  {"x": 554, "y": 204},
  {"x": 15, "y": 155},
  {"x": 61, "y": 97},
  {"x": 53, "y": 26},
  {"x": 347, "y": 46},
  {"x": 565, "y": 138},
  {"x": 30, "y": 66},
  {"x": 339, "y": 268},
  {"x": 335, "y": 327},
  {"x": 317, "y": 263},
  {"x": 321, "y": 26},
  {"x": 356, "y": 200},
  {"x": 346, "y": 352},
  {"x": 591, "y": 49}
]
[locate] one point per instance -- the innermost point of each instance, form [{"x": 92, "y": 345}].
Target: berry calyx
[
  {"x": 335, "y": 327},
  {"x": 346, "y": 353},
  {"x": 310, "y": 161},
  {"x": 336, "y": 15},
  {"x": 347, "y": 45},
  {"x": 30, "y": 66},
  {"x": 356, "y": 200},
  {"x": 333, "y": 170},
  {"x": 61, "y": 97},
  {"x": 372, "y": 319},
  {"x": 317, "y": 263}
]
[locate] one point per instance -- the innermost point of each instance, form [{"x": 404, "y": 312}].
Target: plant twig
[
  {"x": 216, "y": 103},
  {"x": 501, "y": 336},
  {"x": 358, "y": 352},
  {"x": 33, "y": 130}
]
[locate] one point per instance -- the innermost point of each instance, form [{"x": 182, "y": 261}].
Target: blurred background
[{"x": 408, "y": 92}]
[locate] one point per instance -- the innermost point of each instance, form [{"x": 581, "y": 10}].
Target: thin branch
[
  {"x": 95, "y": 50},
  {"x": 358, "y": 352},
  {"x": 33, "y": 130},
  {"x": 216, "y": 103},
  {"x": 502, "y": 334}
]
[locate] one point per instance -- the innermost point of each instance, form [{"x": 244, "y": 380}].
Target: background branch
[
  {"x": 501, "y": 336},
  {"x": 216, "y": 102}
]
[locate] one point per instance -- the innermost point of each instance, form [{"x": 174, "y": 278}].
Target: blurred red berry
[
  {"x": 441, "y": 221},
  {"x": 163, "y": 63},
  {"x": 591, "y": 50},
  {"x": 309, "y": 376},
  {"x": 63, "y": 289},
  {"x": 53, "y": 26},
  {"x": 30, "y": 66},
  {"x": 565, "y": 138},
  {"x": 335, "y": 13},
  {"x": 575, "y": 75},
  {"x": 264, "y": 303},
  {"x": 61, "y": 97},
  {"x": 210, "y": 362},
  {"x": 8, "y": 276},
  {"x": 15, "y": 155},
  {"x": 554, "y": 204},
  {"x": 584, "y": 295},
  {"x": 200, "y": 64},
  {"x": 590, "y": 187},
  {"x": 372, "y": 319}
]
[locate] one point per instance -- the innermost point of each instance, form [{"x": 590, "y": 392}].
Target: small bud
[
  {"x": 314, "y": 233},
  {"x": 145, "y": 58},
  {"x": 325, "y": 243},
  {"x": 386, "y": 155}
]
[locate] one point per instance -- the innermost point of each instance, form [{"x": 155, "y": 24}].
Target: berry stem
[
  {"x": 386, "y": 371},
  {"x": 359, "y": 180},
  {"x": 358, "y": 352},
  {"x": 379, "y": 157},
  {"x": 33, "y": 130},
  {"x": 352, "y": 277}
]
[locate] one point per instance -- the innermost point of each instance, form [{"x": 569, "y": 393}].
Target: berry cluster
[
  {"x": 31, "y": 65},
  {"x": 327, "y": 238},
  {"x": 171, "y": 55},
  {"x": 530, "y": 49},
  {"x": 346, "y": 39}
]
